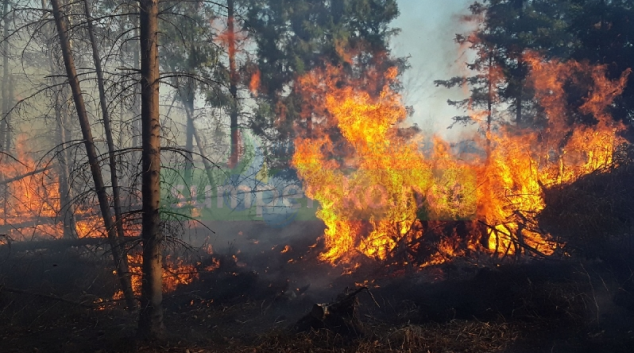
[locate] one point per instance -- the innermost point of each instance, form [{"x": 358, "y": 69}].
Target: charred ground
[{"x": 57, "y": 300}]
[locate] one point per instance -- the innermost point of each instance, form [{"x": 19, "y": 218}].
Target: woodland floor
[{"x": 537, "y": 306}]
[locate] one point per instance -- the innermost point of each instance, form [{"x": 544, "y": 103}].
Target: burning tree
[{"x": 563, "y": 106}]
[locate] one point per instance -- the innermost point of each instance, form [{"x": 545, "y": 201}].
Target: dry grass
[
  {"x": 454, "y": 336},
  {"x": 593, "y": 209}
]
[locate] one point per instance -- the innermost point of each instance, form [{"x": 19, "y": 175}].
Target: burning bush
[{"x": 377, "y": 189}]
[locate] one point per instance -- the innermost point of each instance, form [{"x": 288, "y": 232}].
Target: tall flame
[{"x": 372, "y": 180}]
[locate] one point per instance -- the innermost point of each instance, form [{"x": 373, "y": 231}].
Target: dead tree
[
  {"x": 233, "y": 85},
  {"x": 5, "y": 126},
  {"x": 120, "y": 260},
  {"x": 106, "y": 123},
  {"x": 67, "y": 209},
  {"x": 208, "y": 166},
  {"x": 5, "y": 135}
]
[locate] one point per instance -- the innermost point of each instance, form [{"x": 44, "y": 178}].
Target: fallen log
[
  {"x": 7, "y": 228},
  {"x": 53, "y": 244},
  {"x": 339, "y": 316},
  {"x": 20, "y": 177},
  {"x": 45, "y": 296}
]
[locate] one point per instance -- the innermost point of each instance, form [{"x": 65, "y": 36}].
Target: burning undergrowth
[
  {"x": 399, "y": 201},
  {"x": 33, "y": 207},
  {"x": 381, "y": 193},
  {"x": 241, "y": 300}
]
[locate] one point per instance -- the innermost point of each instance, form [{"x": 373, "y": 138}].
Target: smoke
[{"x": 427, "y": 38}]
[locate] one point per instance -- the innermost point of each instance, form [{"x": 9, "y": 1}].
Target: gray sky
[{"x": 428, "y": 28}]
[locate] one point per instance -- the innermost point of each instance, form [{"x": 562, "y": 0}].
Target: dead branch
[
  {"x": 20, "y": 177},
  {"x": 46, "y": 296},
  {"x": 55, "y": 244}
]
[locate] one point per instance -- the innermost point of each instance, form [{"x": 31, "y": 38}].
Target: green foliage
[
  {"x": 294, "y": 37},
  {"x": 604, "y": 33},
  {"x": 187, "y": 46},
  {"x": 598, "y": 31}
]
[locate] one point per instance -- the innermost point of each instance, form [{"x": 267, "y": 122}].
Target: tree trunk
[
  {"x": 5, "y": 135},
  {"x": 67, "y": 209},
  {"x": 120, "y": 260},
  {"x": 484, "y": 239},
  {"x": 5, "y": 126},
  {"x": 521, "y": 73},
  {"x": 208, "y": 166},
  {"x": 233, "y": 86},
  {"x": 136, "y": 120},
  {"x": 518, "y": 105},
  {"x": 489, "y": 105},
  {"x": 151, "y": 316},
  {"x": 187, "y": 96},
  {"x": 107, "y": 125}
]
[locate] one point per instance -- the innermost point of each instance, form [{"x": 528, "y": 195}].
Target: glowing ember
[{"x": 176, "y": 272}]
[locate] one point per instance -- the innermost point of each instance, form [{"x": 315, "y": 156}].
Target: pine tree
[{"x": 294, "y": 37}]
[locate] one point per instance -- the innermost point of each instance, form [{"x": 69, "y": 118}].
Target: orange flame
[
  {"x": 33, "y": 203},
  {"x": 30, "y": 200},
  {"x": 176, "y": 272},
  {"x": 371, "y": 181},
  {"x": 254, "y": 84}
]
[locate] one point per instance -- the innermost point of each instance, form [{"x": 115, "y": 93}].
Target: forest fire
[
  {"x": 32, "y": 207},
  {"x": 377, "y": 176},
  {"x": 372, "y": 182},
  {"x": 29, "y": 199},
  {"x": 381, "y": 190}
]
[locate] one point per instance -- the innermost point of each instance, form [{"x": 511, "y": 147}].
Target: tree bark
[
  {"x": 107, "y": 125},
  {"x": 5, "y": 126},
  {"x": 67, "y": 210},
  {"x": 201, "y": 150},
  {"x": 136, "y": 120},
  {"x": 518, "y": 105},
  {"x": 120, "y": 260},
  {"x": 187, "y": 96},
  {"x": 151, "y": 316},
  {"x": 5, "y": 137},
  {"x": 233, "y": 86},
  {"x": 489, "y": 105}
]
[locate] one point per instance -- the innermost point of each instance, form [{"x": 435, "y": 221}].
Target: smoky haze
[{"x": 428, "y": 29}]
